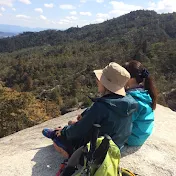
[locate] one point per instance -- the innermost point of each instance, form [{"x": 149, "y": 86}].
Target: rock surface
[
  {"x": 170, "y": 98},
  {"x": 28, "y": 153}
]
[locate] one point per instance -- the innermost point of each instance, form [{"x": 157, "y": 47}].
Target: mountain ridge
[
  {"x": 7, "y": 34},
  {"x": 148, "y": 24},
  {"x": 18, "y": 29}
]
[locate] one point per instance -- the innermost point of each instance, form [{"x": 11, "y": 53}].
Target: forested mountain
[
  {"x": 58, "y": 65},
  {"x": 134, "y": 28}
]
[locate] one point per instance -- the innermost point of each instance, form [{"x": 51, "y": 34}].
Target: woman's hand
[
  {"x": 72, "y": 122},
  {"x": 79, "y": 117},
  {"x": 58, "y": 131}
]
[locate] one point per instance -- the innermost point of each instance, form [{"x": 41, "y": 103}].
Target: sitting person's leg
[
  {"x": 49, "y": 133},
  {"x": 61, "y": 150},
  {"x": 63, "y": 146},
  {"x": 58, "y": 142}
]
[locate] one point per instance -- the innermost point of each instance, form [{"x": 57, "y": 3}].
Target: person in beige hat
[
  {"x": 113, "y": 111},
  {"x": 112, "y": 78}
]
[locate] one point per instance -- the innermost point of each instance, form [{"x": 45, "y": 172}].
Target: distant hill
[
  {"x": 7, "y": 34},
  {"x": 34, "y": 61},
  {"x": 18, "y": 29},
  {"x": 133, "y": 28}
]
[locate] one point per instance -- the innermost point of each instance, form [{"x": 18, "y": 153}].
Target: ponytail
[
  {"x": 141, "y": 74},
  {"x": 149, "y": 85}
]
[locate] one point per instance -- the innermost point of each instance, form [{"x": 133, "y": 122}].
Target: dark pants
[{"x": 71, "y": 145}]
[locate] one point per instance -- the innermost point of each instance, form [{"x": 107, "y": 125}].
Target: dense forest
[
  {"x": 56, "y": 66},
  {"x": 19, "y": 110}
]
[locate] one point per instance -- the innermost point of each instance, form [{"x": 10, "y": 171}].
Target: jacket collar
[{"x": 111, "y": 95}]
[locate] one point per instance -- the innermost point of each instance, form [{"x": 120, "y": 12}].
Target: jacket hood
[
  {"x": 140, "y": 95},
  {"x": 123, "y": 105}
]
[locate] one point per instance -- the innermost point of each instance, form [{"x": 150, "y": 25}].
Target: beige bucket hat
[{"x": 113, "y": 77}]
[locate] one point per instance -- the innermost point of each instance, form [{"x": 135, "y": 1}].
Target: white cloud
[
  {"x": 71, "y": 18},
  {"x": 0, "y": 14},
  {"x": 67, "y": 6},
  {"x": 13, "y": 9},
  {"x": 151, "y": 4},
  {"x": 23, "y": 16},
  {"x": 73, "y": 12},
  {"x": 53, "y": 22},
  {"x": 8, "y": 3},
  {"x": 102, "y": 15},
  {"x": 49, "y": 5},
  {"x": 67, "y": 20},
  {"x": 99, "y": 20},
  {"x": 83, "y": 1},
  {"x": 86, "y": 13},
  {"x": 64, "y": 21},
  {"x": 3, "y": 9},
  {"x": 120, "y": 8},
  {"x": 43, "y": 17},
  {"x": 60, "y": 22},
  {"x": 100, "y": 1},
  {"x": 25, "y": 1},
  {"x": 38, "y": 10},
  {"x": 163, "y": 6}
]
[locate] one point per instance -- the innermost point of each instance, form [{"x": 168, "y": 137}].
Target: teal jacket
[
  {"x": 143, "y": 118},
  {"x": 114, "y": 114}
]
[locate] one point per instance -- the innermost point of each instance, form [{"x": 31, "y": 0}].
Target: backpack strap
[{"x": 125, "y": 172}]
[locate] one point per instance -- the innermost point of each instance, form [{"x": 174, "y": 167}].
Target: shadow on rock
[
  {"x": 47, "y": 162},
  {"x": 128, "y": 150}
]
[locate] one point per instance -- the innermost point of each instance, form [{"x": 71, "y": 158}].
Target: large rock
[
  {"x": 28, "y": 153},
  {"x": 170, "y": 98}
]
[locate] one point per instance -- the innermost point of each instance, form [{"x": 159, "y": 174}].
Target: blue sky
[{"x": 62, "y": 14}]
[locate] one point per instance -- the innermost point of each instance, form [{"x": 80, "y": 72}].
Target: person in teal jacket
[
  {"x": 141, "y": 87},
  {"x": 113, "y": 111}
]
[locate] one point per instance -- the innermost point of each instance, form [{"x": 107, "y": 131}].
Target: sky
[{"x": 62, "y": 14}]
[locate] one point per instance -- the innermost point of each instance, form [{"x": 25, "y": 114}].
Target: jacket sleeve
[{"x": 82, "y": 127}]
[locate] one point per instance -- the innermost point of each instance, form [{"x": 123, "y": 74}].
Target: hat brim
[{"x": 117, "y": 89}]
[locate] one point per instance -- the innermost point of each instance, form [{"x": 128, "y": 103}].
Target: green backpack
[
  {"x": 109, "y": 166},
  {"x": 100, "y": 156}
]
